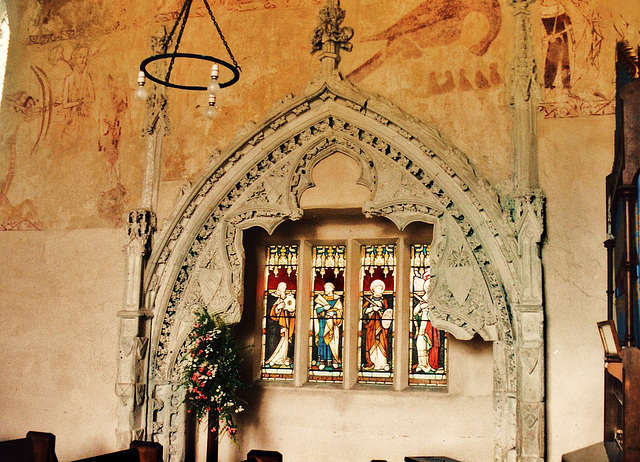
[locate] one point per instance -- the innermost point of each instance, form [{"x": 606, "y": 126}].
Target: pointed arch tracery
[{"x": 413, "y": 175}]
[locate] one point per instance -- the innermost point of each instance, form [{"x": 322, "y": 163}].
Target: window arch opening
[{"x": 338, "y": 298}]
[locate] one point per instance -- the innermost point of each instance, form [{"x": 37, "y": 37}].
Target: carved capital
[
  {"x": 529, "y": 206},
  {"x": 140, "y": 225}
]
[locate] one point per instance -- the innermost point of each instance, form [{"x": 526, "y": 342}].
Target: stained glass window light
[
  {"x": 327, "y": 313},
  {"x": 428, "y": 360},
  {"x": 377, "y": 301},
  {"x": 278, "y": 321}
]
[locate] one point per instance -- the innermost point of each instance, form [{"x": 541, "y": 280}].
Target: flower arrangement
[{"x": 212, "y": 372}]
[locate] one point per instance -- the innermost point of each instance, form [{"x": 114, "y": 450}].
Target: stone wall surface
[
  {"x": 573, "y": 175},
  {"x": 355, "y": 425},
  {"x": 71, "y": 167},
  {"x": 59, "y": 294}
]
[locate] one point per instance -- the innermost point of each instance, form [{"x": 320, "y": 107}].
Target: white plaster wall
[
  {"x": 316, "y": 422},
  {"x": 59, "y": 294},
  {"x": 575, "y": 157}
]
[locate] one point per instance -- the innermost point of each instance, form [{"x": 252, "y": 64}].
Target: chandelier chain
[
  {"x": 169, "y": 37},
  {"x": 224, "y": 41},
  {"x": 187, "y": 6}
]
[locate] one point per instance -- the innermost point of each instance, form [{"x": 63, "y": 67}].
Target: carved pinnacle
[{"x": 329, "y": 36}]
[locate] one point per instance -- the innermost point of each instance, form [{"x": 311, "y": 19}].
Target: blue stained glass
[{"x": 327, "y": 314}]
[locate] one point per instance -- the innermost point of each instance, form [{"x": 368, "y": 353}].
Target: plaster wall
[
  {"x": 318, "y": 422},
  {"x": 575, "y": 157},
  {"x": 59, "y": 294},
  {"x": 62, "y": 281}
]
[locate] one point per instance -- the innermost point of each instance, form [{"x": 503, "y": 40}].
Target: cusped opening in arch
[{"x": 337, "y": 183}]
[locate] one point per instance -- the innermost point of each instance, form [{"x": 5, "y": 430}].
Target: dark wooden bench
[
  {"x": 36, "y": 447},
  {"x": 139, "y": 451},
  {"x": 257, "y": 455}
]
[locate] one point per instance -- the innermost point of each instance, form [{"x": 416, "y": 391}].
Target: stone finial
[
  {"x": 330, "y": 37},
  {"x": 628, "y": 56}
]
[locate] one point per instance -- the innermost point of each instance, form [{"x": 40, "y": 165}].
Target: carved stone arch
[{"x": 414, "y": 174}]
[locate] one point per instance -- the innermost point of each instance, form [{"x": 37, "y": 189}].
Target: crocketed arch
[{"x": 413, "y": 174}]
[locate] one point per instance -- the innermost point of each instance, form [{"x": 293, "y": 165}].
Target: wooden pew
[
  {"x": 139, "y": 451},
  {"x": 36, "y": 447}
]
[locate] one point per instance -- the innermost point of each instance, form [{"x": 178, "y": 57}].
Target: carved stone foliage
[
  {"x": 413, "y": 174},
  {"x": 330, "y": 28},
  {"x": 458, "y": 292},
  {"x": 140, "y": 224}
]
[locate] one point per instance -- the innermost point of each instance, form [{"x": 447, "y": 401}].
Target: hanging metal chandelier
[{"x": 214, "y": 84}]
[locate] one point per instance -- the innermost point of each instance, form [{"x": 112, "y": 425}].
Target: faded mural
[
  {"x": 71, "y": 153},
  {"x": 433, "y": 23},
  {"x": 27, "y": 111},
  {"x": 577, "y": 55}
]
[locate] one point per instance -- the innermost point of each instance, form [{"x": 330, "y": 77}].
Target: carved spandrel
[{"x": 461, "y": 300}]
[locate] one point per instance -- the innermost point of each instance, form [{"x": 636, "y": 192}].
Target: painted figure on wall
[
  {"x": 574, "y": 36},
  {"x": 327, "y": 325},
  {"x": 282, "y": 309},
  {"x": 112, "y": 202},
  {"x": 432, "y": 23},
  {"x": 78, "y": 91},
  {"x": 377, "y": 318},
  {"x": 47, "y": 11},
  {"x": 22, "y": 216},
  {"x": 59, "y": 20},
  {"x": 559, "y": 37}
]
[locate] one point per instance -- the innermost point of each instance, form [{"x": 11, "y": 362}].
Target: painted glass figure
[
  {"x": 327, "y": 313},
  {"x": 427, "y": 347},
  {"x": 377, "y": 314},
  {"x": 278, "y": 323}
]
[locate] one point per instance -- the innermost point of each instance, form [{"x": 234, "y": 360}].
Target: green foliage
[{"x": 212, "y": 372}]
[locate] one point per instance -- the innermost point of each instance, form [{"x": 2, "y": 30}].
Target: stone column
[
  {"x": 527, "y": 214},
  {"x": 135, "y": 318},
  {"x": 131, "y": 384}
]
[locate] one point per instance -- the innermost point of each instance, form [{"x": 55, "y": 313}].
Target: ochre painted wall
[{"x": 69, "y": 172}]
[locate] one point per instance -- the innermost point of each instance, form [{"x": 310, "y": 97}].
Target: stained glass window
[
  {"x": 427, "y": 365},
  {"x": 327, "y": 313},
  {"x": 377, "y": 300},
  {"x": 278, "y": 321}
]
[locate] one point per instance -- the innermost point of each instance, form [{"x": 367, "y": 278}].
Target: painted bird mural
[{"x": 433, "y": 23}]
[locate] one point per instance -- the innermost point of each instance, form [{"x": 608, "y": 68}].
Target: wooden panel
[{"x": 631, "y": 367}]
